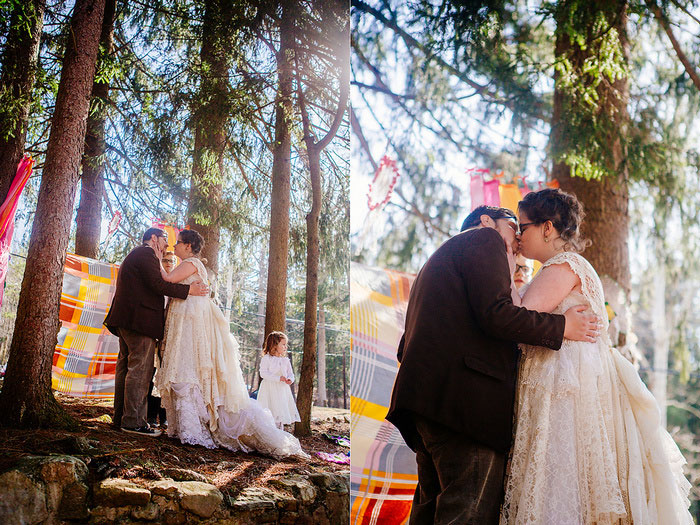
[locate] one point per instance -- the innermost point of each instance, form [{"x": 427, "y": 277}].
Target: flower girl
[{"x": 277, "y": 374}]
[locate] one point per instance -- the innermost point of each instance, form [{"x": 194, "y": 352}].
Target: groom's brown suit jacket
[
  {"x": 139, "y": 302},
  {"x": 458, "y": 353}
]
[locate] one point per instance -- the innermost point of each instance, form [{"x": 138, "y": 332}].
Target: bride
[
  {"x": 200, "y": 379},
  {"x": 589, "y": 445}
]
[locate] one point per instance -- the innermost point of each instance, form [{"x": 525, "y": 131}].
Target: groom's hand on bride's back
[
  {"x": 199, "y": 288},
  {"x": 581, "y": 326}
]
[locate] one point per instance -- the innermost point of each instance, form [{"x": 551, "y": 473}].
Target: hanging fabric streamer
[
  {"x": 510, "y": 196},
  {"x": 7, "y": 216},
  {"x": 476, "y": 186},
  {"x": 491, "y": 194},
  {"x": 169, "y": 229}
]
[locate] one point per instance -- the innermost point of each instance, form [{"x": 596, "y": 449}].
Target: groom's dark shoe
[{"x": 143, "y": 431}]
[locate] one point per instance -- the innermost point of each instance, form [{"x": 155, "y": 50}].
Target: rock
[
  {"x": 116, "y": 492},
  {"x": 201, "y": 499},
  {"x": 22, "y": 500},
  {"x": 172, "y": 517},
  {"x": 347, "y": 419},
  {"x": 320, "y": 518},
  {"x": 165, "y": 487},
  {"x": 147, "y": 513},
  {"x": 337, "y": 506},
  {"x": 74, "y": 445},
  {"x": 73, "y": 504},
  {"x": 333, "y": 481},
  {"x": 64, "y": 470},
  {"x": 299, "y": 486},
  {"x": 181, "y": 474},
  {"x": 255, "y": 498}
]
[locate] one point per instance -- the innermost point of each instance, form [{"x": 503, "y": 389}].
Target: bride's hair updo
[
  {"x": 194, "y": 239},
  {"x": 563, "y": 209},
  {"x": 273, "y": 339}
]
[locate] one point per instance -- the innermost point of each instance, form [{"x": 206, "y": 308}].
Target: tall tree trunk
[
  {"x": 255, "y": 383},
  {"x": 605, "y": 201},
  {"x": 276, "y": 300},
  {"x": 210, "y": 119},
  {"x": 308, "y": 362},
  {"x": 321, "y": 379},
  {"x": 26, "y": 399},
  {"x": 313, "y": 248},
  {"x": 19, "y": 62},
  {"x": 89, "y": 217}
]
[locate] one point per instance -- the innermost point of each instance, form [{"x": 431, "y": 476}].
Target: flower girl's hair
[{"x": 272, "y": 340}]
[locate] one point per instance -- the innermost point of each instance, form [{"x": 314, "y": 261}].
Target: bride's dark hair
[
  {"x": 563, "y": 209},
  {"x": 194, "y": 239}
]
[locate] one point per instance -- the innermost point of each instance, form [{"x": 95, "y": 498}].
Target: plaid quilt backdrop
[
  {"x": 382, "y": 468},
  {"x": 85, "y": 359}
]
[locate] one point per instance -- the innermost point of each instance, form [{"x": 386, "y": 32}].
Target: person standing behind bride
[
  {"x": 275, "y": 393},
  {"x": 200, "y": 380}
]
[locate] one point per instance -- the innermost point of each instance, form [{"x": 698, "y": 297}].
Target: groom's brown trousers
[
  {"x": 459, "y": 481},
  {"x": 133, "y": 376}
]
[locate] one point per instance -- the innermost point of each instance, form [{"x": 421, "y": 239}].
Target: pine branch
[{"x": 663, "y": 21}]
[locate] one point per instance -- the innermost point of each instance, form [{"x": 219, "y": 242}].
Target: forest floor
[{"x": 112, "y": 453}]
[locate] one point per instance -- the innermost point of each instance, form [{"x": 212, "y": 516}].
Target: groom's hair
[
  {"x": 474, "y": 218},
  {"x": 152, "y": 231}
]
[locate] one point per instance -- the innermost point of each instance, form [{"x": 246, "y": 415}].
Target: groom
[
  {"x": 454, "y": 392},
  {"x": 137, "y": 317}
]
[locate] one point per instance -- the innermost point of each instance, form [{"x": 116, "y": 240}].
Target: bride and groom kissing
[
  {"x": 199, "y": 379},
  {"x": 558, "y": 431}
]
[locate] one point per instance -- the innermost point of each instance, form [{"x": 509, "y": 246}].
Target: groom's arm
[{"x": 487, "y": 277}]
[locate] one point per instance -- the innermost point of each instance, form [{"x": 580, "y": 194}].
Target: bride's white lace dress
[
  {"x": 201, "y": 383},
  {"x": 589, "y": 446}
]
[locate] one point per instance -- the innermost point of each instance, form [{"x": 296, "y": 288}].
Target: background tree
[
  {"x": 314, "y": 148},
  {"x": 89, "y": 218},
  {"x": 25, "y": 401},
  {"x": 19, "y": 63}
]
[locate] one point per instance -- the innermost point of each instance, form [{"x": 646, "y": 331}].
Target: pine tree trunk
[
  {"x": 210, "y": 119},
  {"x": 89, "y": 217},
  {"x": 308, "y": 362},
  {"x": 255, "y": 383},
  {"x": 321, "y": 379},
  {"x": 19, "y": 62},
  {"x": 26, "y": 399},
  {"x": 605, "y": 201},
  {"x": 276, "y": 301}
]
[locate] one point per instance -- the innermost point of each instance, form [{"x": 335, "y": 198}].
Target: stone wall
[{"x": 55, "y": 489}]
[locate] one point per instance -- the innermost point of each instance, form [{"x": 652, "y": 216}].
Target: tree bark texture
[
  {"x": 210, "y": 119},
  {"x": 19, "y": 63},
  {"x": 605, "y": 201},
  {"x": 313, "y": 246},
  {"x": 321, "y": 376},
  {"x": 276, "y": 300},
  {"x": 26, "y": 399},
  {"x": 313, "y": 255},
  {"x": 89, "y": 217}
]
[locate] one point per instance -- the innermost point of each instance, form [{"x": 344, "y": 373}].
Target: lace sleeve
[
  {"x": 201, "y": 270},
  {"x": 591, "y": 287}
]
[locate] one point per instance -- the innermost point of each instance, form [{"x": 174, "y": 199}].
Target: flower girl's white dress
[{"x": 273, "y": 393}]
